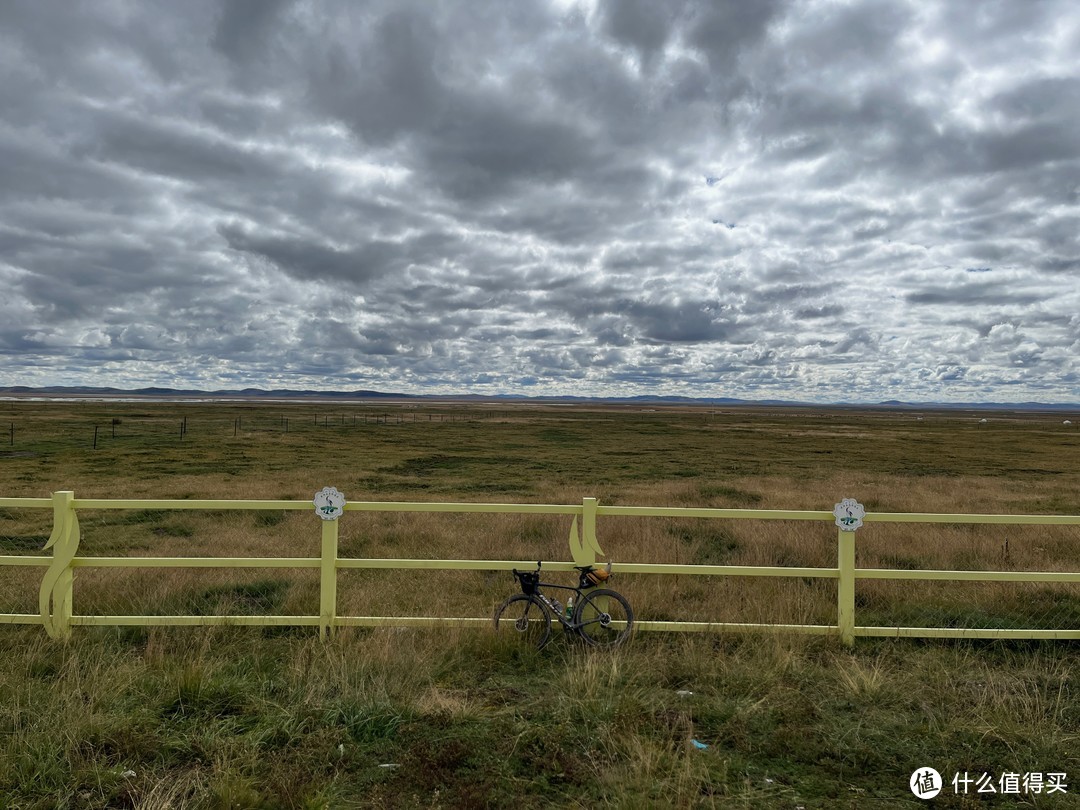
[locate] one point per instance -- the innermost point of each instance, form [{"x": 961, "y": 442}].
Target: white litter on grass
[
  {"x": 128, "y": 774},
  {"x": 683, "y": 692},
  {"x": 390, "y": 765}
]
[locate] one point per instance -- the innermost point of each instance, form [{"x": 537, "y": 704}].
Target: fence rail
[{"x": 56, "y": 591}]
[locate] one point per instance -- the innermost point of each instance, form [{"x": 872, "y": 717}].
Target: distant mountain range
[
  {"x": 90, "y": 391},
  {"x": 363, "y": 394}
]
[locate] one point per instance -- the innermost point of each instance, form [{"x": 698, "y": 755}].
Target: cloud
[{"x": 774, "y": 199}]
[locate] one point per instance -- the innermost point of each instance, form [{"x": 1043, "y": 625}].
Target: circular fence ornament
[
  {"x": 849, "y": 514},
  {"x": 329, "y": 503}
]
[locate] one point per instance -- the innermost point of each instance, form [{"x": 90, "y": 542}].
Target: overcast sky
[{"x": 816, "y": 200}]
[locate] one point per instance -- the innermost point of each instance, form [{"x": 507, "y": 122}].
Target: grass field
[{"x": 232, "y": 717}]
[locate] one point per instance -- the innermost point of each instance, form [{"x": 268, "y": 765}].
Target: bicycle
[{"x": 601, "y": 617}]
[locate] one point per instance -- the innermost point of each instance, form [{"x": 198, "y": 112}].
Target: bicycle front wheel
[
  {"x": 526, "y": 617},
  {"x": 603, "y": 618}
]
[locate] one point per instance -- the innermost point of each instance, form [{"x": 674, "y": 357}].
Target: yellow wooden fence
[{"x": 55, "y": 595}]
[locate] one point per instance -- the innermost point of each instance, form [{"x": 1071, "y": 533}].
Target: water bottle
[
  {"x": 557, "y": 605},
  {"x": 570, "y": 609}
]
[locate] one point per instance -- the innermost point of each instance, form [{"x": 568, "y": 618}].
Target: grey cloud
[
  {"x": 164, "y": 147},
  {"x": 857, "y": 338},
  {"x": 661, "y": 256},
  {"x": 1044, "y": 99},
  {"x": 974, "y": 294},
  {"x": 31, "y": 170},
  {"x": 643, "y": 25},
  {"x": 816, "y": 313},
  {"x": 1059, "y": 264},
  {"x": 488, "y": 148},
  {"x": 1029, "y": 145},
  {"x": 721, "y": 30},
  {"x": 790, "y": 293},
  {"x": 308, "y": 260},
  {"x": 679, "y": 322},
  {"x": 385, "y": 84},
  {"x": 245, "y": 27}
]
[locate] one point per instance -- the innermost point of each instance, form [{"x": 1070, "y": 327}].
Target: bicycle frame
[
  {"x": 558, "y": 614},
  {"x": 580, "y": 591}
]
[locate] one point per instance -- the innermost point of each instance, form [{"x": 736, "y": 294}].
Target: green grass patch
[
  {"x": 224, "y": 715},
  {"x": 266, "y": 597}
]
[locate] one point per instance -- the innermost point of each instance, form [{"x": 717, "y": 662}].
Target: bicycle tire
[
  {"x": 603, "y": 618},
  {"x": 527, "y": 616}
]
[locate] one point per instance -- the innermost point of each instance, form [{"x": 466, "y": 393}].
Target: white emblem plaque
[
  {"x": 849, "y": 514},
  {"x": 329, "y": 503}
]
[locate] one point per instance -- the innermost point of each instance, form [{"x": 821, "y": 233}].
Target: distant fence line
[
  {"x": 55, "y": 594},
  {"x": 177, "y": 426}
]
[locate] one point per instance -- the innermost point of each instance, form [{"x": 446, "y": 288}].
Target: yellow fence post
[
  {"x": 849, "y": 514},
  {"x": 328, "y": 579},
  {"x": 329, "y": 505},
  {"x": 54, "y": 597},
  {"x": 845, "y": 591}
]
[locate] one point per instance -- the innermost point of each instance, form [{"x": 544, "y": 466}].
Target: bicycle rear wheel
[
  {"x": 525, "y": 616},
  {"x": 603, "y": 618}
]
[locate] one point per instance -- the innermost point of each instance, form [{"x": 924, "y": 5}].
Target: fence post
[
  {"x": 845, "y": 592},
  {"x": 54, "y": 597},
  {"x": 849, "y": 514},
  {"x": 329, "y": 505},
  {"x": 328, "y": 579}
]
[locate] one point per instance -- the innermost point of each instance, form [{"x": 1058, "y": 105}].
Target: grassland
[{"x": 229, "y": 717}]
